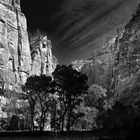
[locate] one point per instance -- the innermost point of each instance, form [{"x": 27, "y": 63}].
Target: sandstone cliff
[
  {"x": 43, "y": 61},
  {"x": 15, "y": 60},
  {"x": 99, "y": 68},
  {"x": 127, "y": 61},
  {"x": 116, "y": 64},
  {"x": 20, "y": 58}
]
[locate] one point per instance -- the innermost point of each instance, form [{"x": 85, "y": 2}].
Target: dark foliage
[
  {"x": 71, "y": 85},
  {"x": 37, "y": 91},
  {"x": 121, "y": 120}
]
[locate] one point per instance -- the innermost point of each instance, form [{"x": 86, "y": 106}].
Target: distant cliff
[
  {"x": 115, "y": 65},
  {"x": 19, "y": 58},
  {"x": 43, "y": 61},
  {"x": 99, "y": 67}
]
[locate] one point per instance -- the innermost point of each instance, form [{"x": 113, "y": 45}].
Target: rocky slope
[{"x": 17, "y": 61}]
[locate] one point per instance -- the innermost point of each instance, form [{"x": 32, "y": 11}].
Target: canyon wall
[
  {"x": 43, "y": 61},
  {"x": 127, "y": 61},
  {"x": 99, "y": 67},
  {"x": 15, "y": 60},
  {"x": 19, "y": 59},
  {"x": 115, "y": 65}
]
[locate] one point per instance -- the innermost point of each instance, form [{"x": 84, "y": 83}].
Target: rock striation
[
  {"x": 127, "y": 61},
  {"x": 115, "y": 65},
  {"x": 15, "y": 59},
  {"x": 20, "y": 58},
  {"x": 43, "y": 61},
  {"x": 99, "y": 67}
]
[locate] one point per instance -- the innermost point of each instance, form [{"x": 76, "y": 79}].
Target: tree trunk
[
  {"x": 42, "y": 120},
  {"x": 62, "y": 128},
  {"x": 63, "y": 119},
  {"x": 68, "y": 122},
  {"x": 32, "y": 122},
  {"x": 68, "y": 126},
  {"x": 63, "y": 122}
]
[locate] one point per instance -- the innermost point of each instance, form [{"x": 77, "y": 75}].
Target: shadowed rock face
[
  {"x": 123, "y": 61},
  {"x": 127, "y": 67},
  {"x": 99, "y": 68},
  {"x": 17, "y": 61}
]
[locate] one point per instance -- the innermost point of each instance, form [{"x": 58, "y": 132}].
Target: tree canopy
[{"x": 71, "y": 86}]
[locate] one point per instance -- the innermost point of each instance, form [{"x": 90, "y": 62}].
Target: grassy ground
[
  {"x": 43, "y": 138},
  {"x": 47, "y": 136},
  {"x": 73, "y": 135}
]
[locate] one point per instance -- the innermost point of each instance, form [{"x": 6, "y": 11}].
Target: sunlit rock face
[
  {"x": 43, "y": 61},
  {"x": 15, "y": 58},
  {"x": 20, "y": 58},
  {"x": 79, "y": 64},
  {"x": 127, "y": 56}
]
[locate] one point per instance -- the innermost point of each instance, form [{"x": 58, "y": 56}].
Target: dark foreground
[{"x": 73, "y": 135}]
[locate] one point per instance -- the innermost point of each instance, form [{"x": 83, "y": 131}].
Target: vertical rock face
[
  {"x": 99, "y": 67},
  {"x": 43, "y": 61},
  {"x": 15, "y": 59},
  {"x": 127, "y": 66},
  {"x": 19, "y": 58},
  {"x": 121, "y": 57}
]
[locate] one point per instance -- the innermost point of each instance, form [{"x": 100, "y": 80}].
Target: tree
[
  {"x": 45, "y": 92},
  {"x": 13, "y": 106},
  {"x": 38, "y": 90},
  {"x": 70, "y": 86},
  {"x": 98, "y": 100},
  {"x": 96, "y": 97},
  {"x": 14, "y": 123},
  {"x": 55, "y": 113},
  {"x": 30, "y": 93},
  {"x": 87, "y": 119}
]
